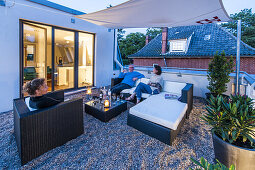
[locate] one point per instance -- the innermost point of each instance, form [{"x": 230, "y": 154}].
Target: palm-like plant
[
  {"x": 206, "y": 166},
  {"x": 233, "y": 120}
]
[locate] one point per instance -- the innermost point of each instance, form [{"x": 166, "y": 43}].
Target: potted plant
[
  {"x": 233, "y": 124},
  {"x": 218, "y": 74},
  {"x": 206, "y": 166}
]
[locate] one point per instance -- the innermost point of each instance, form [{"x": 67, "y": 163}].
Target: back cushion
[
  {"x": 173, "y": 87},
  {"x": 143, "y": 80}
]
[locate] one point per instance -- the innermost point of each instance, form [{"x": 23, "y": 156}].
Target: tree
[
  {"x": 153, "y": 32},
  {"x": 248, "y": 25},
  {"x": 131, "y": 44},
  {"x": 218, "y": 73},
  {"x": 120, "y": 34}
]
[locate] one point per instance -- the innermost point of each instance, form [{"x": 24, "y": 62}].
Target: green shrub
[
  {"x": 232, "y": 120},
  {"x": 206, "y": 166},
  {"x": 218, "y": 73}
]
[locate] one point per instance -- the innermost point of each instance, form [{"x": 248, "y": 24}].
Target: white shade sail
[{"x": 159, "y": 13}]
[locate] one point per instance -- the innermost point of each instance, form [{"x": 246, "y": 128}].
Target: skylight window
[
  {"x": 178, "y": 45},
  {"x": 207, "y": 37}
]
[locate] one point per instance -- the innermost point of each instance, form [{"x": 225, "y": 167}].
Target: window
[
  {"x": 178, "y": 45},
  {"x": 67, "y": 68},
  {"x": 207, "y": 37}
]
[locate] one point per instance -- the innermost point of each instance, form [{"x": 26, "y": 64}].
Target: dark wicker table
[{"x": 98, "y": 110}]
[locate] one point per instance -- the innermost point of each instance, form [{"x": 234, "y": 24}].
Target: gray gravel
[{"x": 114, "y": 145}]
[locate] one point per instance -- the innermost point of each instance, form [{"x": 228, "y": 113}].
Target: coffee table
[{"x": 98, "y": 110}]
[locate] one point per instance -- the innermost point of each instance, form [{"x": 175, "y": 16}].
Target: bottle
[
  {"x": 110, "y": 95},
  {"x": 101, "y": 96},
  {"x": 104, "y": 93}
]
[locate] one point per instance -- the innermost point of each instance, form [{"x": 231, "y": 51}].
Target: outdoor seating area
[
  {"x": 127, "y": 84},
  {"x": 115, "y": 144}
]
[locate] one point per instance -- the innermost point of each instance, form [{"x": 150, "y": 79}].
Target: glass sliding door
[
  {"x": 34, "y": 51},
  {"x": 86, "y": 55},
  {"x": 64, "y": 60}
]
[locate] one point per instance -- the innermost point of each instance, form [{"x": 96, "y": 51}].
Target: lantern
[
  {"x": 89, "y": 91},
  {"x": 106, "y": 103}
]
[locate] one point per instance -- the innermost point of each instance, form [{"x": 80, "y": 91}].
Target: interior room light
[{"x": 69, "y": 38}]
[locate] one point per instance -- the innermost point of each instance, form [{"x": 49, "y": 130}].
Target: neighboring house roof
[
  {"x": 58, "y": 7},
  {"x": 220, "y": 39}
]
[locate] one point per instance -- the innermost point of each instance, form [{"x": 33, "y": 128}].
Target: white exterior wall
[{"x": 9, "y": 45}]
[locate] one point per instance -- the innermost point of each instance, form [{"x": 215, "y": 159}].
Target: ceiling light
[{"x": 69, "y": 38}]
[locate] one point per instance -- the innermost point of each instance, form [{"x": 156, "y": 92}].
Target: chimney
[
  {"x": 164, "y": 39},
  {"x": 148, "y": 39}
]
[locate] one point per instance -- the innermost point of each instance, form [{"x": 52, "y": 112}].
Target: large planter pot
[{"x": 242, "y": 158}]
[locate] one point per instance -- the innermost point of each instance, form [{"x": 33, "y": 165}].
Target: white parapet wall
[{"x": 197, "y": 78}]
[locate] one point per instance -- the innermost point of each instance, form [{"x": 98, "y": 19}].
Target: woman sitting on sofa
[
  {"x": 153, "y": 87},
  {"x": 37, "y": 89}
]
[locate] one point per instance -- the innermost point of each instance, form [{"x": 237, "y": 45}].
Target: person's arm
[
  {"x": 139, "y": 76},
  {"x": 122, "y": 75}
]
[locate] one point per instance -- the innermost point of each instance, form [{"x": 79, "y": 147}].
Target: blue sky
[{"x": 87, "y": 6}]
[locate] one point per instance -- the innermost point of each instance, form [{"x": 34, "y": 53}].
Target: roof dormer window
[{"x": 178, "y": 45}]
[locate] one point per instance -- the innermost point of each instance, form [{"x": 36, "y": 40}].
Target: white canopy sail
[{"x": 159, "y": 13}]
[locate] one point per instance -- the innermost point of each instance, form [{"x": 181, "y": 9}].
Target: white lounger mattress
[{"x": 157, "y": 109}]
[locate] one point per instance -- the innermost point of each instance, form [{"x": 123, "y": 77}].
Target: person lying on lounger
[
  {"x": 129, "y": 79},
  {"x": 37, "y": 90},
  {"x": 153, "y": 87}
]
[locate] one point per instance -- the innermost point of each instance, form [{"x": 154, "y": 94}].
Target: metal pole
[{"x": 237, "y": 89}]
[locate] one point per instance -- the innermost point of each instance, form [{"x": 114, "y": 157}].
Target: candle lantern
[
  {"x": 106, "y": 103},
  {"x": 89, "y": 91}
]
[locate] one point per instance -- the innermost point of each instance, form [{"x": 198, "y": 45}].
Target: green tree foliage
[
  {"x": 248, "y": 25},
  {"x": 131, "y": 44},
  {"x": 153, "y": 32},
  {"x": 218, "y": 73},
  {"x": 120, "y": 34}
]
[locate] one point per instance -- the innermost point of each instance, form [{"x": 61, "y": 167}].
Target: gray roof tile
[{"x": 220, "y": 40}]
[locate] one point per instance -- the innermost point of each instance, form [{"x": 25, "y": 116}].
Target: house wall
[
  {"x": 10, "y": 46},
  {"x": 247, "y": 64}
]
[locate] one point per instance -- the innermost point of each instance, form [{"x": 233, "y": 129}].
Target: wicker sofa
[
  {"x": 41, "y": 130},
  {"x": 159, "y": 117}
]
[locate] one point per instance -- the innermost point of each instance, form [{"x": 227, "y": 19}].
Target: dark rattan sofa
[{"x": 39, "y": 131}]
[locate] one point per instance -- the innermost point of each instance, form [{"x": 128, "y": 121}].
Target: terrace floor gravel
[{"x": 114, "y": 145}]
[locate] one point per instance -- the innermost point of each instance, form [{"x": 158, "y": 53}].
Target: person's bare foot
[{"x": 138, "y": 101}]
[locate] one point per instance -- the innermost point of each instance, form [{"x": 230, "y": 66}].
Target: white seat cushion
[
  {"x": 157, "y": 109},
  {"x": 143, "y": 80},
  {"x": 27, "y": 103},
  {"x": 145, "y": 95},
  {"x": 173, "y": 87},
  {"x": 126, "y": 90}
]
